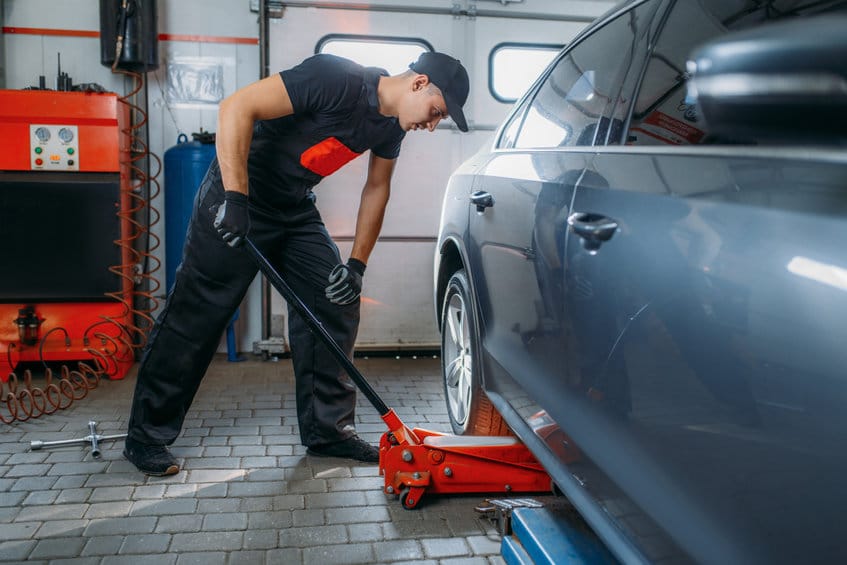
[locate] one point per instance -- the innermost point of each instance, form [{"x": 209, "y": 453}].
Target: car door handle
[
  {"x": 593, "y": 227},
  {"x": 482, "y": 200}
]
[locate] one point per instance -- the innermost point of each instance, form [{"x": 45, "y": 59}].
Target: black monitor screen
[{"x": 57, "y": 236}]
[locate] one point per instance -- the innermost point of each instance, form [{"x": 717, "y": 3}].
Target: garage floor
[{"x": 247, "y": 492}]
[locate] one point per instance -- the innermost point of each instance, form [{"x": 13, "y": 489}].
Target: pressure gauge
[
  {"x": 43, "y": 134},
  {"x": 66, "y": 135},
  {"x": 54, "y": 147}
]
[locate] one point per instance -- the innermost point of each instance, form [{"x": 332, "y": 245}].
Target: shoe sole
[{"x": 171, "y": 470}]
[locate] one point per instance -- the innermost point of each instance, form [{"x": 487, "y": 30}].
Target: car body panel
[
  {"x": 722, "y": 301},
  {"x": 661, "y": 321}
]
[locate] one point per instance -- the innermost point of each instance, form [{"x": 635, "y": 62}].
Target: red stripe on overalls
[{"x": 326, "y": 157}]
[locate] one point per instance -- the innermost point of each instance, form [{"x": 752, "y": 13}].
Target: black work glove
[
  {"x": 345, "y": 282},
  {"x": 232, "y": 220}
]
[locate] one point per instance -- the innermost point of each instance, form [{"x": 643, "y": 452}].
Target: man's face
[{"x": 422, "y": 107}]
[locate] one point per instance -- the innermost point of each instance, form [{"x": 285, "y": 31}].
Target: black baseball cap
[{"x": 450, "y": 77}]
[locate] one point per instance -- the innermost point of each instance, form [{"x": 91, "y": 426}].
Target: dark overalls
[{"x": 335, "y": 119}]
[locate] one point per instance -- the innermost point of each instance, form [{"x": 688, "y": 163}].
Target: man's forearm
[
  {"x": 369, "y": 221},
  {"x": 232, "y": 145},
  {"x": 263, "y": 100}
]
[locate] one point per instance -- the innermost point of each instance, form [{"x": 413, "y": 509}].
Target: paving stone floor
[{"x": 247, "y": 492}]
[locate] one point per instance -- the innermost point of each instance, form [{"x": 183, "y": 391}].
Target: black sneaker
[
  {"x": 153, "y": 460},
  {"x": 351, "y": 448}
]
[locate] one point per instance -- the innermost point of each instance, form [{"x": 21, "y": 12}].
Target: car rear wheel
[{"x": 470, "y": 410}]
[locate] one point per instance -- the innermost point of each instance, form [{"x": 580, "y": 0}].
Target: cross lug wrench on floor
[
  {"x": 415, "y": 461},
  {"x": 93, "y": 438}
]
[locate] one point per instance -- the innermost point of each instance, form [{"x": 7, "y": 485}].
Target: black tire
[{"x": 470, "y": 410}]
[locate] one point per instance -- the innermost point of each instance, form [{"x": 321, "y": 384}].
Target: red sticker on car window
[
  {"x": 326, "y": 157},
  {"x": 670, "y": 130}
]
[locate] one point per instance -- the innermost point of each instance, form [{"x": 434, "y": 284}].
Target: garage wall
[{"x": 398, "y": 309}]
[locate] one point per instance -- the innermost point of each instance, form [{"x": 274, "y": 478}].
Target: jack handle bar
[{"x": 316, "y": 327}]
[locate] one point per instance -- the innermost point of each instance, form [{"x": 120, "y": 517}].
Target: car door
[
  {"x": 711, "y": 317},
  {"x": 524, "y": 192}
]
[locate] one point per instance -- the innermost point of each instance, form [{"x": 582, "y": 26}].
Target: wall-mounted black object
[{"x": 134, "y": 22}]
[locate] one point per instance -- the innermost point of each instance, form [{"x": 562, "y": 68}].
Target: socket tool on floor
[
  {"x": 93, "y": 438},
  {"x": 415, "y": 461}
]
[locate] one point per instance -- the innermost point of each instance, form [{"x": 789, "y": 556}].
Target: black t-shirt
[{"x": 336, "y": 118}]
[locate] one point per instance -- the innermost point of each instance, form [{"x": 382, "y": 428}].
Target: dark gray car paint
[
  {"x": 711, "y": 322},
  {"x": 696, "y": 358}
]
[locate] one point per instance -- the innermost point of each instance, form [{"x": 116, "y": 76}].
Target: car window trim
[
  {"x": 786, "y": 152},
  {"x": 518, "y": 112},
  {"x": 663, "y": 20}
]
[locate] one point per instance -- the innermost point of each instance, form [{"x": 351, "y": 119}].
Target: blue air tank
[{"x": 185, "y": 166}]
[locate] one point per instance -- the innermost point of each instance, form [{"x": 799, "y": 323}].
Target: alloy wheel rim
[{"x": 458, "y": 360}]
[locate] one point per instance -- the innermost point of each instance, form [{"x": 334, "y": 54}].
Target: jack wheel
[{"x": 405, "y": 501}]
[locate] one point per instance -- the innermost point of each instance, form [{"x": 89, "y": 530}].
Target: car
[{"x": 643, "y": 277}]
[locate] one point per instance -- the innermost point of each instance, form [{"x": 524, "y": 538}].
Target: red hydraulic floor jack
[{"x": 415, "y": 461}]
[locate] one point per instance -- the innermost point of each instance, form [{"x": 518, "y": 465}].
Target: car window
[
  {"x": 569, "y": 107},
  {"x": 510, "y": 131},
  {"x": 661, "y": 113}
]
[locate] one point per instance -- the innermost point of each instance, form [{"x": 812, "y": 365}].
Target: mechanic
[{"x": 276, "y": 139}]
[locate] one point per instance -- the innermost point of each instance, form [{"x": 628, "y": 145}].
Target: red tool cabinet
[{"x": 66, "y": 256}]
